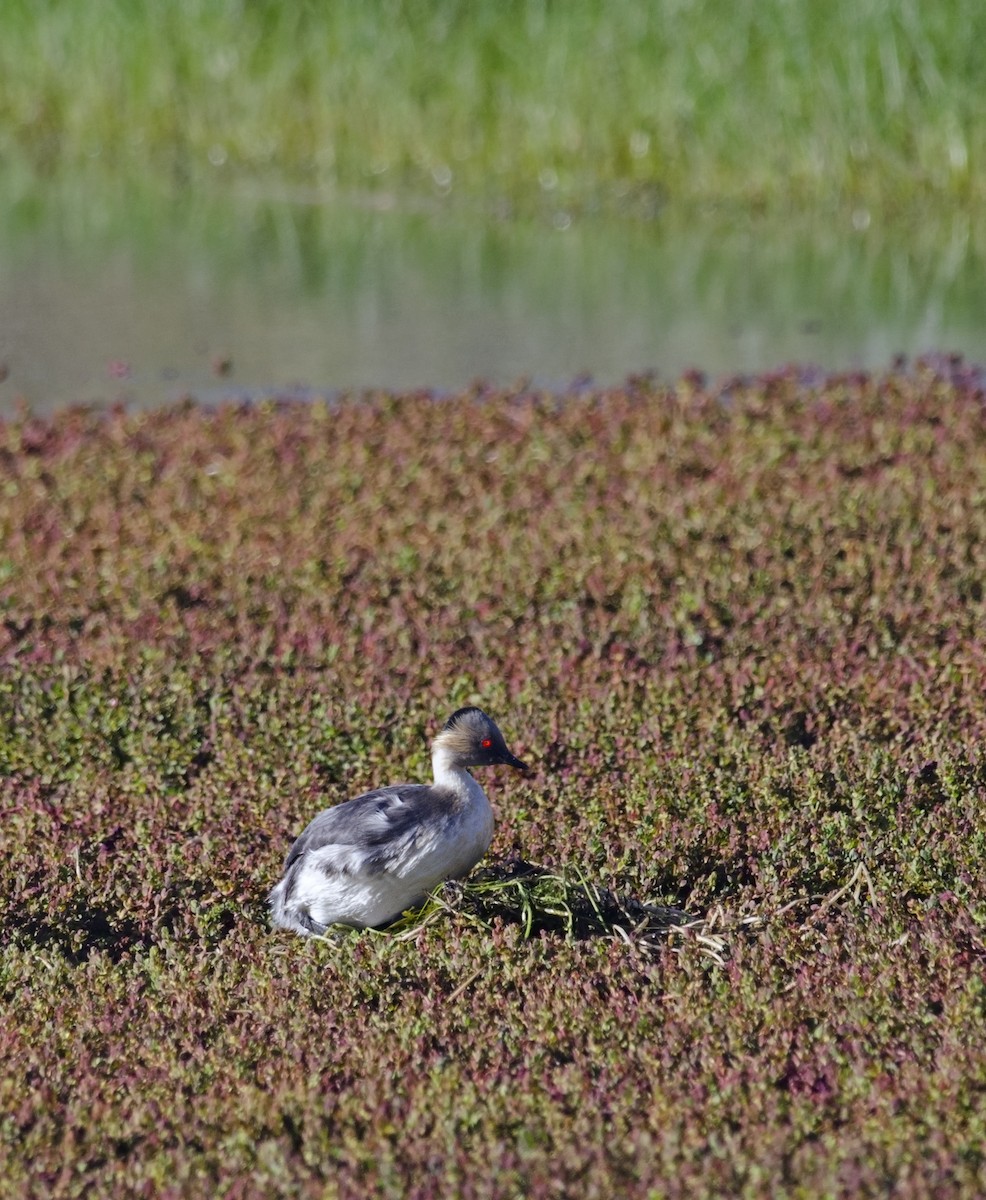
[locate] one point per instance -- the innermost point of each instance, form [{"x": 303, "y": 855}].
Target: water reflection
[{"x": 148, "y": 299}]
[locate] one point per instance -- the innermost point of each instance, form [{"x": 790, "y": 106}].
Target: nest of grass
[{"x": 564, "y": 903}]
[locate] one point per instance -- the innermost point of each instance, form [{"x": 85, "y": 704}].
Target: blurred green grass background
[{"x": 758, "y": 104}]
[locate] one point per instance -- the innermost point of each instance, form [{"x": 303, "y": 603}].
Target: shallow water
[{"x": 154, "y": 299}]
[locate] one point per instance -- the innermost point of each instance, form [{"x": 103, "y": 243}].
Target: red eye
[{"x": 486, "y": 743}]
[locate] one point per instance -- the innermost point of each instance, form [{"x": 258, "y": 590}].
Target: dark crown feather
[{"x": 460, "y": 713}]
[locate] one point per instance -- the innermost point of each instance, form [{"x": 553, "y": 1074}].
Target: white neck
[{"x": 448, "y": 774}]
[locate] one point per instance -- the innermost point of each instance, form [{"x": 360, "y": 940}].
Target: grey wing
[{"x": 388, "y": 817}]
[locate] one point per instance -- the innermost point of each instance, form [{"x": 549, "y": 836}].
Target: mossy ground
[{"x": 738, "y": 631}]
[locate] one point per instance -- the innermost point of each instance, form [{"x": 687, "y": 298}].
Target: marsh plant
[{"x": 735, "y": 628}]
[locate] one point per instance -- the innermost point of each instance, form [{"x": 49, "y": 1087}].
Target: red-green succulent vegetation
[{"x": 739, "y": 632}]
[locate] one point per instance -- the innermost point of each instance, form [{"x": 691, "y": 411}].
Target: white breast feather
[{"x": 334, "y": 884}]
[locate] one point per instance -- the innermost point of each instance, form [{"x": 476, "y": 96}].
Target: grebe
[{"x": 363, "y": 862}]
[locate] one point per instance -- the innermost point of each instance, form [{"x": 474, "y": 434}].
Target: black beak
[{"x": 507, "y": 758}]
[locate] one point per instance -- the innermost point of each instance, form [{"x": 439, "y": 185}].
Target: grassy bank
[
  {"x": 738, "y": 634},
  {"x": 522, "y": 103}
]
